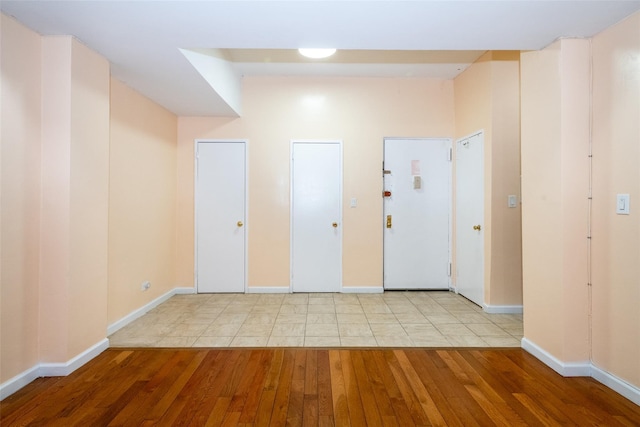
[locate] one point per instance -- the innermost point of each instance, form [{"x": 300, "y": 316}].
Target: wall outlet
[{"x": 145, "y": 285}]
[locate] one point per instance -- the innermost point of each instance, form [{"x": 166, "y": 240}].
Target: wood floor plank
[
  {"x": 253, "y": 390},
  {"x": 354, "y": 401},
  {"x": 505, "y": 383},
  {"x": 487, "y": 396},
  {"x": 268, "y": 395},
  {"x": 210, "y": 367},
  {"x": 325, "y": 398},
  {"x": 445, "y": 393},
  {"x": 421, "y": 392},
  {"x": 316, "y": 387},
  {"x": 310, "y": 404},
  {"x": 296, "y": 397},
  {"x": 365, "y": 390},
  {"x": 338, "y": 390},
  {"x": 283, "y": 392},
  {"x": 403, "y": 415},
  {"x": 216, "y": 417},
  {"x": 382, "y": 401},
  {"x": 412, "y": 401}
]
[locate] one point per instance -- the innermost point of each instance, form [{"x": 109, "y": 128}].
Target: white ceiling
[{"x": 143, "y": 39}]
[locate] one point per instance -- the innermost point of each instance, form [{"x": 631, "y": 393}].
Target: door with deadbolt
[
  {"x": 220, "y": 216},
  {"x": 316, "y": 216},
  {"x": 417, "y": 212}
]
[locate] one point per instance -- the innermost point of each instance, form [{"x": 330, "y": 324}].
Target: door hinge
[
  {"x": 450, "y": 269},
  {"x": 450, "y": 154}
]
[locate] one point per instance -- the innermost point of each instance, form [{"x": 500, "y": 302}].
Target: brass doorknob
[
  {"x": 477, "y": 227},
  {"x": 334, "y": 225},
  {"x": 240, "y": 224}
]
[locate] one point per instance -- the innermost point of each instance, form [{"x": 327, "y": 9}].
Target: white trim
[
  {"x": 185, "y": 291},
  {"x": 268, "y": 290},
  {"x": 64, "y": 369},
  {"x": 584, "y": 369},
  {"x": 246, "y": 207},
  {"x": 362, "y": 290},
  {"x": 629, "y": 391},
  {"x": 341, "y": 216},
  {"x": 119, "y": 324},
  {"x": 579, "y": 369},
  {"x": 451, "y": 219},
  {"x": 51, "y": 369},
  {"x": 16, "y": 383},
  {"x": 502, "y": 309}
]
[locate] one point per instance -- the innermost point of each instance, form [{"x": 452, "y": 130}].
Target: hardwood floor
[{"x": 316, "y": 387}]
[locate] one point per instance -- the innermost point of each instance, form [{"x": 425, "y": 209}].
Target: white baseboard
[
  {"x": 502, "y": 309},
  {"x": 268, "y": 290},
  {"x": 362, "y": 290},
  {"x": 64, "y": 369},
  {"x": 286, "y": 290},
  {"x": 119, "y": 324},
  {"x": 629, "y": 391},
  {"x": 579, "y": 369},
  {"x": 51, "y": 369},
  {"x": 584, "y": 369},
  {"x": 14, "y": 384}
]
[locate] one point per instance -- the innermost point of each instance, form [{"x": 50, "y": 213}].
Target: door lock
[
  {"x": 240, "y": 224},
  {"x": 388, "y": 221},
  {"x": 334, "y": 225}
]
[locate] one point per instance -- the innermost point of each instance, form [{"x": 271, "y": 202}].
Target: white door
[
  {"x": 417, "y": 207},
  {"x": 470, "y": 218},
  {"x": 316, "y": 220},
  {"x": 220, "y": 217}
]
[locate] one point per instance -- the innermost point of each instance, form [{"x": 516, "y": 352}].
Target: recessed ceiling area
[
  {"x": 357, "y": 63},
  {"x": 156, "y": 46}
]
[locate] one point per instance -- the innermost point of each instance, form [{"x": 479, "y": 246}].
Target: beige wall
[
  {"x": 55, "y": 139},
  {"x": 20, "y": 197},
  {"x": 555, "y": 188},
  {"x": 557, "y": 91},
  {"x": 75, "y": 176},
  {"x": 63, "y": 190},
  {"x": 616, "y": 169},
  {"x": 88, "y": 202},
  {"x": 487, "y": 97},
  {"x": 361, "y": 112},
  {"x": 142, "y": 201}
]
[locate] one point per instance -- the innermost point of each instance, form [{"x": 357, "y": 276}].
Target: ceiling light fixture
[{"x": 317, "y": 53}]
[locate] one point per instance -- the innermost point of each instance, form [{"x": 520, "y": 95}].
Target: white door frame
[
  {"x": 450, "y": 196},
  {"x": 246, "y": 205},
  {"x": 476, "y": 133},
  {"x": 340, "y": 221}
]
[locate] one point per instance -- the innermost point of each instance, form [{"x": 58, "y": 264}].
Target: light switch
[
  {"x": 354, "y": 202},
  {"x": 622, "y": 204},
  {"x": 512, "y": 201}
]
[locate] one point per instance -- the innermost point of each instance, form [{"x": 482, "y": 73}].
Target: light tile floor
[{"x": 391, "y": 319}]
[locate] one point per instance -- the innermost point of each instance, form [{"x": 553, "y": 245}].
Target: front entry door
[
  {"x": 220, "y": 217},
  {"x": 470, "y": 218},
  {"x": 417, "y": 206},
  {"x": 316, "y": 220}
]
